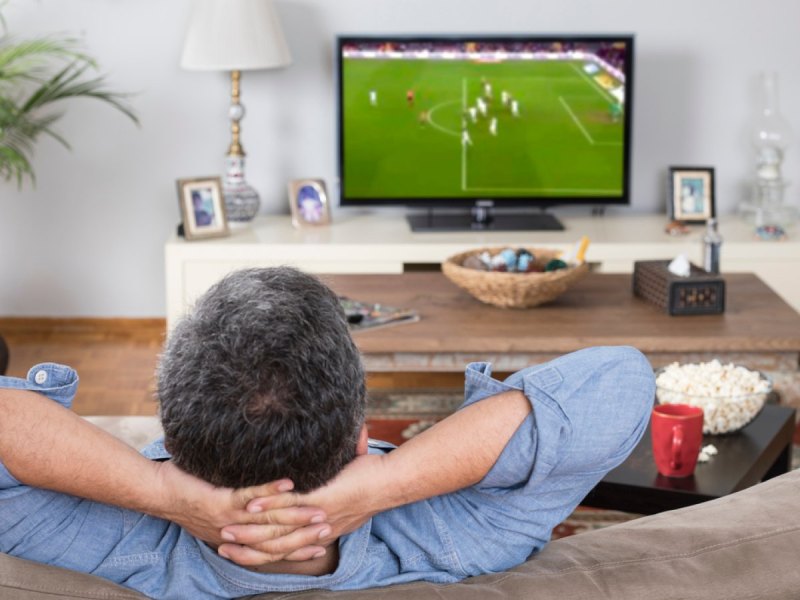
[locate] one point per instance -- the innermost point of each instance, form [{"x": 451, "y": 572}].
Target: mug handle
[{"x": 677, "y": 443}]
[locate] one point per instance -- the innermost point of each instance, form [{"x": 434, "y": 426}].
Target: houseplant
[{"x": 36, "y": 75}]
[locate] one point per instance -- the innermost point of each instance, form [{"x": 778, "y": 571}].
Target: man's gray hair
[{"x": 263, "y": 381}]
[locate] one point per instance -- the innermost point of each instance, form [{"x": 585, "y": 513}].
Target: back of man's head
[{"x": 262, "y": 381}]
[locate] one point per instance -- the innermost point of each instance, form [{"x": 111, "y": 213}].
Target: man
[
  {"x": 466, "y": 140},
  {"x": 487, "y": 89},
  {"x": 615, "y": 111},
  {"x": 482, "y": 107},
  {"x": 424, "y": 118},
  {"x": 263, "y": 381}
]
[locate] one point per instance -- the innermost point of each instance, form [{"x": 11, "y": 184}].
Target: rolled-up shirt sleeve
[
  {"x": 589, "y": 410},
  {"x": 57, "y": 382}
]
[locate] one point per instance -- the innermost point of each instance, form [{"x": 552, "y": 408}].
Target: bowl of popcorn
[{"x": 730, "y": 395}]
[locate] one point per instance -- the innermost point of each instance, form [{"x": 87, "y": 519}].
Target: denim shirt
[{"x": 589, "y": 409}]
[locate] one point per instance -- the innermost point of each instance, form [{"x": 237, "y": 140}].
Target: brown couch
[{"x": 743, "y": 546}]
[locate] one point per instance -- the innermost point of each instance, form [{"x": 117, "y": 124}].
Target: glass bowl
[{"x": 723, "y": 412}]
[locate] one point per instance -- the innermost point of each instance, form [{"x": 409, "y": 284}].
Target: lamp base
[{"x": 241, "y": 199}]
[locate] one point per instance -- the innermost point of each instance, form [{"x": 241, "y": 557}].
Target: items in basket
[
  {"x": 522, "y": 260},
  {"x": 547, "y": 274}
]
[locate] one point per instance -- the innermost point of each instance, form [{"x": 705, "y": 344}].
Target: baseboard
[{"x": 82, "y": 328}]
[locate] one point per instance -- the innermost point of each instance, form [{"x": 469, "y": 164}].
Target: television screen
[{"x": 447, "y": 121}]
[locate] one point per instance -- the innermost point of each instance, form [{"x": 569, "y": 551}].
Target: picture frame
[
  {"x": 691, "y": 194},
  {"x": 202, "y": 208},
  {"x": 309, "y": 204}
]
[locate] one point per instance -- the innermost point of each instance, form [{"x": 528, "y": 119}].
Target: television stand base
[{"x": 477, "y": 221}]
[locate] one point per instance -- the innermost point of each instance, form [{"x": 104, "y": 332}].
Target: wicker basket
[{"x": 512, "y": 290}]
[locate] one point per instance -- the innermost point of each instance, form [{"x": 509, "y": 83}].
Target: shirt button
[{"x": 40, "y": 377}]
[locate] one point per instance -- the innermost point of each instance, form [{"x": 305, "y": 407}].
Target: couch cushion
[
  {"x": 26, "y": 580},
  {"x": 741, "y": 546}
]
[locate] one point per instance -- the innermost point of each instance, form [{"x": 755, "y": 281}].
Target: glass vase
[{"x": 771, "y": 136}]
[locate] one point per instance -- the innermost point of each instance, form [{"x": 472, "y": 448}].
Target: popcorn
[
  {"x": 729, "y": 395},
  {"x": 706, "y": 452}
]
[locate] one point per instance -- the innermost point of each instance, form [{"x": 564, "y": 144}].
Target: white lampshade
[{"x": 228, "y": 35}]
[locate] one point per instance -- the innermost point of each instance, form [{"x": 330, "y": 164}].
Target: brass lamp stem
[{"x": 236, "y": 113}]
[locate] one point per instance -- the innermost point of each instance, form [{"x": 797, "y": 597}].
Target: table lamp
[{"x": 235, "y": 35}]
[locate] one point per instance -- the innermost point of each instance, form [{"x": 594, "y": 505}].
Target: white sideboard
[{"x": 381, "y": 243}]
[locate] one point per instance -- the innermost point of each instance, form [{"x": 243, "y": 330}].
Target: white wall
[{"x": 87, "y": 241}]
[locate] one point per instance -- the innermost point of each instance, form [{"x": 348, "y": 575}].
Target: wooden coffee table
[
  {"x": 759, "y": 451},
  {"x": 758, "y": 329}
]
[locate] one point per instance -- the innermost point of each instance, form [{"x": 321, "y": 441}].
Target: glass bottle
[
  {"x": 712, "y": 241},
  {"x": 771, "y": 135}
]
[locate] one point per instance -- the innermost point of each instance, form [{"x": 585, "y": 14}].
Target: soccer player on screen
[
  {"x": 373, "y": 97},
  {"x": 615, "y": 111},
  {"x": 487, "y": 89},
  {"x": 410, "y": 98},
  {"x": 424, "y": 118},
  {"x": 465, "y": 139}
]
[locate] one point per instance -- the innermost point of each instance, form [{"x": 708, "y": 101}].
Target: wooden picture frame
[
  {"x": 308, "y": 201},
  {"x": 691, "y": 194},
  {"x": 202, "y": 208}
]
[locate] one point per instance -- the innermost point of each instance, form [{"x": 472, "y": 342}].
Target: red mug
[{"x": 677, "y": 432}]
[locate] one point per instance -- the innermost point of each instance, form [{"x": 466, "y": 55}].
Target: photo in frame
[
  {"x": 308, "y": 201},
  {"x": 691, "y": 194},
  {"x": 202, "y": 207}
]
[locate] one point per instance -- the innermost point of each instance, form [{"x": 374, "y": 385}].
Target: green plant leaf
[
  {"x": 32, "y": 60},
  {"x": 34, "y": 75}
]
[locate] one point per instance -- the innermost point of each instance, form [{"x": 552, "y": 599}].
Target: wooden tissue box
[{"x": 701, "y": 293}]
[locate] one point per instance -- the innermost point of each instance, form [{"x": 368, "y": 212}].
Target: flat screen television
[{"x": 483, "y": 122}]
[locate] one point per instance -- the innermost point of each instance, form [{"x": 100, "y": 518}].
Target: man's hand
[
  {"x": 348, "y": 501},
  {"x": 287, "y": 530}
]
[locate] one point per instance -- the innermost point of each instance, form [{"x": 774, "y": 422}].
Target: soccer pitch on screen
[{"x": 564, "y": 141}]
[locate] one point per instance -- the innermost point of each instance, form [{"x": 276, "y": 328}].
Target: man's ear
[{"x": 362, "y": 447}]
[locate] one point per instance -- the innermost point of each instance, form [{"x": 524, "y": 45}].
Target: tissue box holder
[{"x": 701, "y": 293}]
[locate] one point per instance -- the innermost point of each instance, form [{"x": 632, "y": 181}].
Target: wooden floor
[
  {"x": 115, "y": 358},
  {"x": 116, "y": 361}
]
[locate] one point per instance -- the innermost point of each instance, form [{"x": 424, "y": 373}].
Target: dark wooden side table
[{"x": 759, "y": 451}]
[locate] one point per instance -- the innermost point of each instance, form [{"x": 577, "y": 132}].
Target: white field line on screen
[
  {"x": 435, "y": 125},
  {"x": 463, "y": 145},
  {"x": 587, "y": 191},
  {"x": 594, "y": 85},
  {"x": 576, "y": 119}
]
